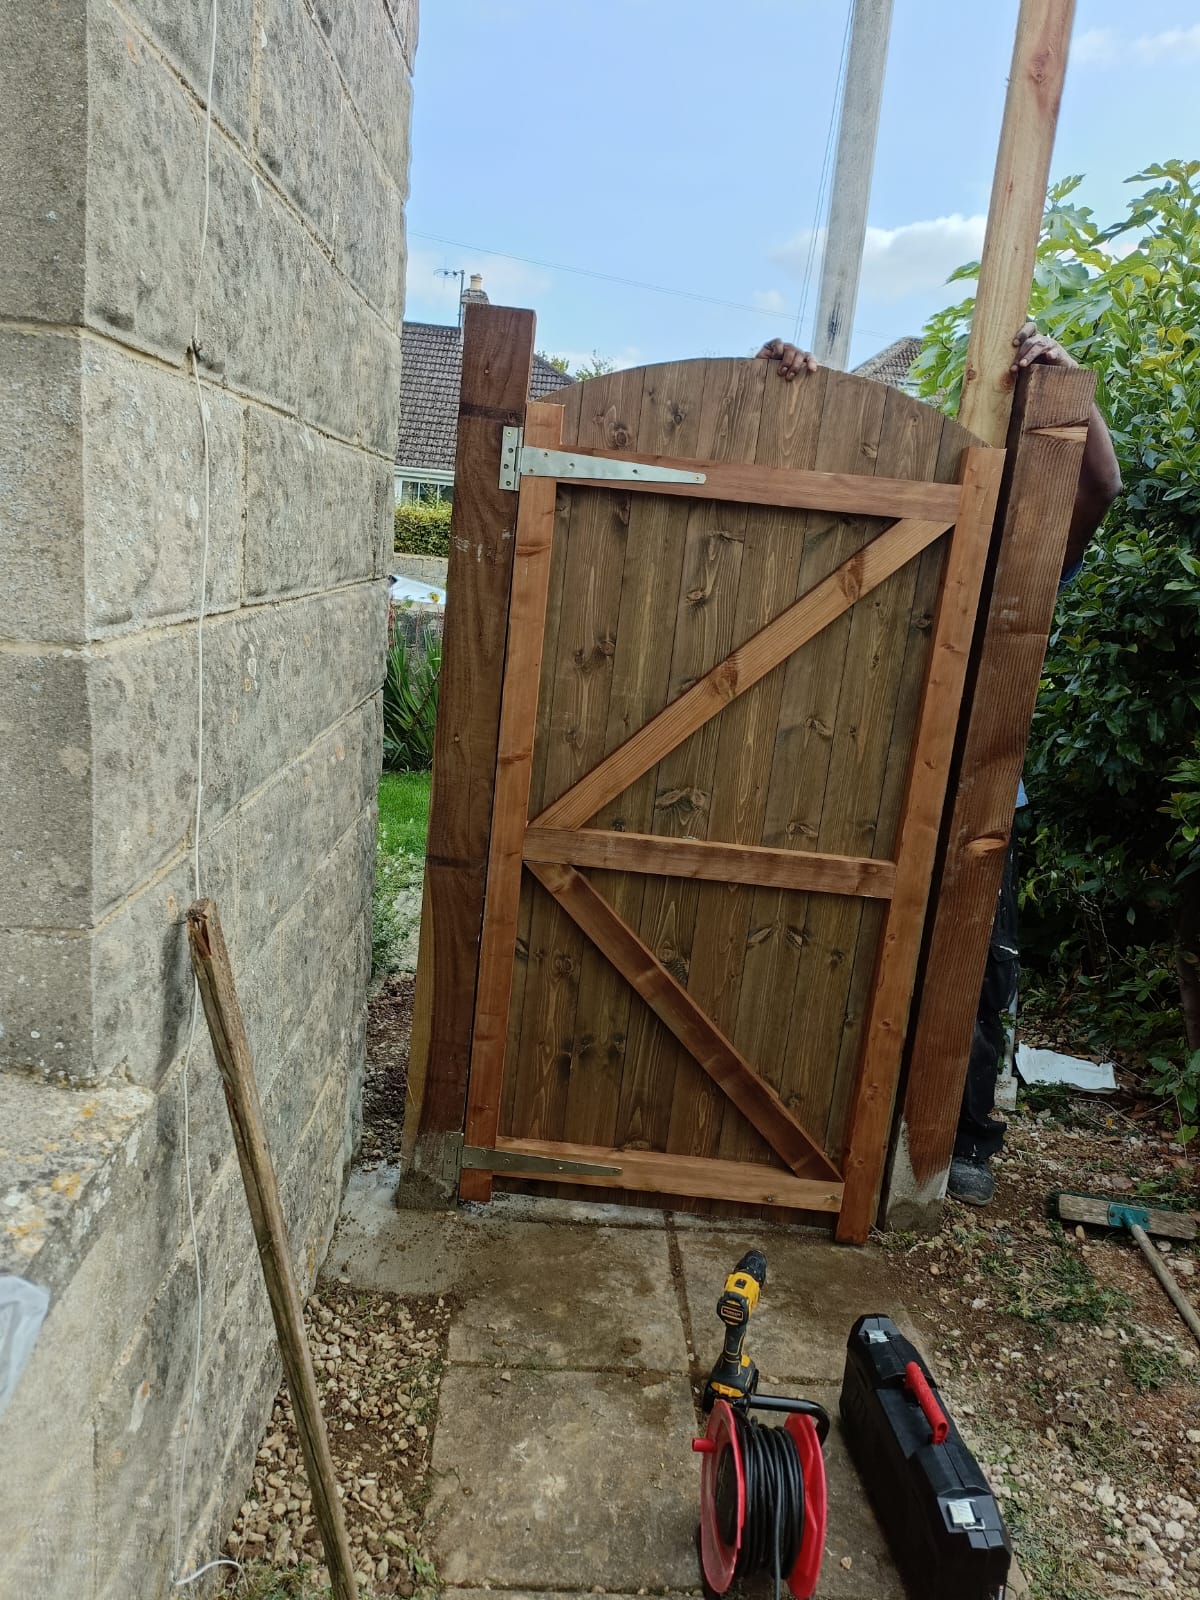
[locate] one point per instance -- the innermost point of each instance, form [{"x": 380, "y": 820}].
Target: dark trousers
[{"x": 979, "y": 1134}]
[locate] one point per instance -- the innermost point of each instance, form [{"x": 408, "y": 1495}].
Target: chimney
[{"x": 474, "y": 295}]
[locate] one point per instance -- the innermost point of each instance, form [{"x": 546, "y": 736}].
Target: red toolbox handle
[{"x": 918, "y": 1384}]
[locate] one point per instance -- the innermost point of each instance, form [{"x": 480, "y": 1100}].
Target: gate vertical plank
[
  {"x": 668, "y": 424},
  {"x": 895, "y": 971},
  {"x": 705, "y": 616},
  {"x": 865, "y": 743},
  {"x": 497, "y": 361},
  {"x": 912, "y": 673},
  {"x": 848, "y": 439},
  {"x": 570, "y": 399},
  {"x": 773, "y": 567},
  {"x": 573, "y": 723},
  {"x": 1045, "y": 450},
  {"x": 514, "y": 763}
]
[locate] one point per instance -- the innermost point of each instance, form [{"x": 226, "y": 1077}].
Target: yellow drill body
[{"x": 735, "y": 1376}]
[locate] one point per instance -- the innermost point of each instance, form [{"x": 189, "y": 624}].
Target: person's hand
[
  {"x": 792, "y": 361},
  {"x": 1039, "y": 349}
]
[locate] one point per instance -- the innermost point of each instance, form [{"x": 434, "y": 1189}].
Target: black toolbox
[{"x": 942, "y": 1522}]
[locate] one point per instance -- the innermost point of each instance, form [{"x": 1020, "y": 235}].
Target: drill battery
[{"x": 942, "y": 1522}]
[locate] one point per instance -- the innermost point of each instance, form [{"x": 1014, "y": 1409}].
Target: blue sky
[{"x": 680, "y": 143}]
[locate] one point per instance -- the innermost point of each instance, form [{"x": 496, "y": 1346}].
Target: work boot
[{"x": 971, "y": 1182}]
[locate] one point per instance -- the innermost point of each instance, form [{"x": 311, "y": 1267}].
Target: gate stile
[{"x": 802, "y": 519}]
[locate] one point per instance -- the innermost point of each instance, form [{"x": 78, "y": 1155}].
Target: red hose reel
[{"x": 724, "y": 1504}]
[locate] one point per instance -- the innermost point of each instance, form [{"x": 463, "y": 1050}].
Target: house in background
[
  {"x": 430, "y": 375},
  {"x": 892, "y": 363}
]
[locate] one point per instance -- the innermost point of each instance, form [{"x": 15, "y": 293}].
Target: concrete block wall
[{"x": 297, "y": 312}]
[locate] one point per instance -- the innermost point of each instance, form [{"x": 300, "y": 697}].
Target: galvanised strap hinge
[
  {"x": 520, "y": 460},
  {"x": 474, "y": 1158}
]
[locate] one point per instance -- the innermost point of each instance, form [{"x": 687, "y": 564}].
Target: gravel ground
[
  {"x": 379, "y": 1364},
  {"x": 389, "y": 1026},
  {"x": 1068, "y": 1370}
]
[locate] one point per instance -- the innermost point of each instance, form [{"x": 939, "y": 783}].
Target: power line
[{"x": 606, "y": 277}]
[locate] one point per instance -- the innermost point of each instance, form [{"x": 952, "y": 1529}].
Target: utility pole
[{"x": 858, "y": 131}]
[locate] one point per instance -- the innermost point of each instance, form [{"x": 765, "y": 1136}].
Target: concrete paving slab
[
  {"x": 537, "y": 1296},
  {"x": 813, "y": 1295},
  {"x": 379, "y": 1248},
  {"x": 564, "y": 1480},
  {"x": 529, "y": 1293}
]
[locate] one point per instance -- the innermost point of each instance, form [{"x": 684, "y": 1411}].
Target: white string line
[
  {"x": 835, "y": 118},
  {"x": 183, "y": 1582}
]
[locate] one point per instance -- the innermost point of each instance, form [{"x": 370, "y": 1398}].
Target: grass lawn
[
  {"x": 399, "y": 868},
  {"x": 403, "y": 813}
]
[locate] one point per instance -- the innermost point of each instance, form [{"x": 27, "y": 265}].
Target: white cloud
[
  {"x": 771, "y": 300},
  {"x": 898, "y": 262},
  {"x": 1108, "y": 47}
]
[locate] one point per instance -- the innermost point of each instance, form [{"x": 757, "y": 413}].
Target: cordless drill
[{"x": 735, "y": 1377}]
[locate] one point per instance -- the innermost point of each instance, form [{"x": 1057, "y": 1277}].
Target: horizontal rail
[
  {"x": 712, "y": 860},
  {"x": 700, "y": 1177},
  {"x": 746, "y": 484}
]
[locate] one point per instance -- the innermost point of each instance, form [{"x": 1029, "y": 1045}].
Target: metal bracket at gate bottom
[
  {"x": 520, "y": 460},
  {"x": 476, "y": 1159}
]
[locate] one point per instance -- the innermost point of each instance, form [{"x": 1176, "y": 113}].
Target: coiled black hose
[{"x": 773, "y": 1530}]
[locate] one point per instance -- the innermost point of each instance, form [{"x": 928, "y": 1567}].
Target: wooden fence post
[
  {"x": 1046, "y": 440},
  {"x": 497, "y": 361},
  {"x": 1015, "y": 612},
  {"x": 1014, "y": 221}
]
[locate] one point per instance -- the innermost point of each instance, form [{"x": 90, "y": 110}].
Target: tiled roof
[
  {"x": 891, "y": 364},
  {"x": 430, "y": 375}
]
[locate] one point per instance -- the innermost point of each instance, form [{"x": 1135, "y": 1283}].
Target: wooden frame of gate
[
  {"x": 555, "y": 845},
  {"x": 461, "y": 997}
]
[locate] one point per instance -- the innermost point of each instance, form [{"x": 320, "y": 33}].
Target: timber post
[
  {"x": 497, "y": 362},
  {"x": 1046, "y": 440}
]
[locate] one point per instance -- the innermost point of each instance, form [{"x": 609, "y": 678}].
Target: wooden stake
[
  {"x": 1015, "y": 213},
  {"x": 214, "y": 975}
]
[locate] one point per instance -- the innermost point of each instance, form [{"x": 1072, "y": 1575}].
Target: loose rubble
[{"x": 378, "y": 1363}]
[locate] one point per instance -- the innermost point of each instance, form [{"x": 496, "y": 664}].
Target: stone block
[
  {"x": 586, "y": 1481},
  {"x": 375, "y": 53},
  {"x": 279, "y": 985},
  {"x": 43, "y": 133},
  {"x": 143, "y": 487},
  {"x": 297, "y": 1067},
  {"x": 311, "y": 509},
  {"x": 183, "y": 32},
  {"x": 52, "y": 1534},
  {"x": 63, "y": 1156},
  {"x": 370, "y": 237},
  {"x": 41, "y": 488},
  {"x": 142, "y": 970},
  {"x": 46, "y": 847},
  {"x": 348, "y": 362},
  {"x": 300, "y": 117},
  {"x": 275, "y": 678},
  {"x": 289, "y": 828},
  {"x": 145, "y": 176},
  {"x": 46, "y": 1001}
]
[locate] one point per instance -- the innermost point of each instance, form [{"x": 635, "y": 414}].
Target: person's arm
[
  {"x": 792, "y": 360},
  {"x": 1099, "y": 474}
]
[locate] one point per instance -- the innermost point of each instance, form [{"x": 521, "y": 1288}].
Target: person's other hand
[
  {"x": 792, "y": 361},
  {"x": 1039, "y": 349}
]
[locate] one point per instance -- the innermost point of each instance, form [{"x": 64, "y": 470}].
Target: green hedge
[{"x": 423, "y": 530}]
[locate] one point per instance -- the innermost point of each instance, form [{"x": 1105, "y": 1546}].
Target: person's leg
[{"x": 979, "y": 1134}]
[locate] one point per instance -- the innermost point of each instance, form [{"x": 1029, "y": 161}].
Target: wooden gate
[{"x": 728, "y": 713}]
